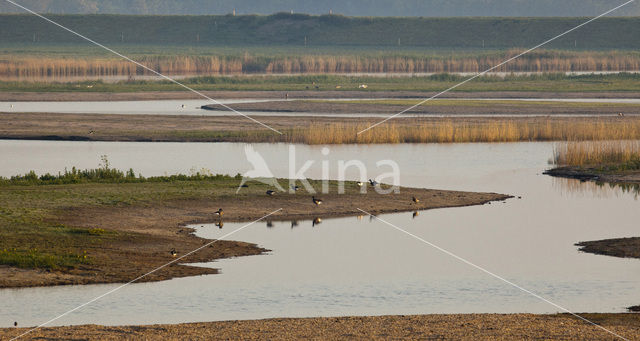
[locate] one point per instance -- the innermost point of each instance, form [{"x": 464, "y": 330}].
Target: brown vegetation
[
  {"x": 461, "y": 130},
  {"x": 589, "y": 153},
  {"x": 545, "y": 61},
  {"x": 316, "y": 130}
]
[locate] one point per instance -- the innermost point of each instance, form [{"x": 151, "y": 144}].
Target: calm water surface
[
  {"x": 192, "y": 107},
  {"x": 358, "y": 266}
]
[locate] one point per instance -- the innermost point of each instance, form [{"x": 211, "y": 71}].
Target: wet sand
[
  {"x": 410, "y": 327},
  {"x": 155, "y": 229}
]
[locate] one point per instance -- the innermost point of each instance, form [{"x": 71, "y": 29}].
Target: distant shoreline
[{"x": 88, "y": 96}]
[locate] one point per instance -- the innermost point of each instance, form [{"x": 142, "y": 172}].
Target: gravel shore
[{"x": 421, "y": 327}]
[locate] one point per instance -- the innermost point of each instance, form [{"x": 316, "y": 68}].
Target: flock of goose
[{"x": 316, "y": 201}]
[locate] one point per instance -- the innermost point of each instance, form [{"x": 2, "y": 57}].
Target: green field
[
  {"x": 325, "y": 30},
  {"x": 543, "y": 82}
]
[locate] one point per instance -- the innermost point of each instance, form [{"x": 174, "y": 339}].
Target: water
[
  {"x": 351, "y": 266},
  {"x": 159, "y": 107},
  {"x": 192, "y": 107}
]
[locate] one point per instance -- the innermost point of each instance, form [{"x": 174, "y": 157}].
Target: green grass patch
[
  {"x": 544, "y": 82},
  {"x": 34, "y": 258}
]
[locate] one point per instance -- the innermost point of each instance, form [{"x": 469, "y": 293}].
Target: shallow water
[
  {"x": 192, "y": 107},
  {"x": 351, "y": 266}
]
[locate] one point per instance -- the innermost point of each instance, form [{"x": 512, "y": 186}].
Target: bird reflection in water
[
  {"x": 316, "y": 221},
  {"x": 269, "y": 224},
  {"x": 415, "y": 214},
  {"x": 294, "y": 223}
]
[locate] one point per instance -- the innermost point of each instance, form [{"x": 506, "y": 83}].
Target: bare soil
[
  {"x": 618, "y": 247},
  {"x": 410, "y": 327},
  {"x": 157, "y": 229}
]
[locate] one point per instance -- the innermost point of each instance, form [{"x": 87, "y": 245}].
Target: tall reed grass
[
  {"x": 464, "y": 130},
  {"x": 619, "y": 154},
  {"x": 542, "y": 61}
]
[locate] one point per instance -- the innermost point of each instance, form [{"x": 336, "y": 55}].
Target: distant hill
[
  {"x": 424, "y": 8},
  {"x": 326, "y": 30}
]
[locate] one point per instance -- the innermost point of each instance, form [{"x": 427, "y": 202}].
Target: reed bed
[
  {"x": 543, "y": 61},
  {"x": 460, "y": 131},
  {"x": 622, "y": 154}
]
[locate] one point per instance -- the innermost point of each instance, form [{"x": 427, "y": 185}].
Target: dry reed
[
  {"x": 459, "y": 130},
  {"x": 590, "y": 153},
  {"x": 544, "y": 61}
]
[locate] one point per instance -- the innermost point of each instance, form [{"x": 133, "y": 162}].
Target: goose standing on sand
[
  {"x": 373, "y": 183},
  {"x": 316, "y": 201},
  {"x": 173, "y": 252},
  {"x": 415, "y": 200},
  {"x": 219, "y": 213},
  {"x": 271, "y": 193},
  {"x": 359, "y": 183},
  {"x": 295, "y": 188}
]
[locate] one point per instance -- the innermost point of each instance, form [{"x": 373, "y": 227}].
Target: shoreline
[
  {"x": 595, "y": 174},
  {"x": 139, "y": 236},
  {"x": 430, "y": 327},
  {"x": 614, "y": 247}
]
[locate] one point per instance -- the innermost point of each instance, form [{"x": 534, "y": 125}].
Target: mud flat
[{"x": 409, "y": 327}]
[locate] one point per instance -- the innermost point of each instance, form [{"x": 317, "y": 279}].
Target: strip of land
[
  {"x": 410, "y": 327},
  {"x": 618, "y": 247},
  {"x": 596, "y": 173},
  {"x": 436, "y": 107},
  {"x": 54, "y": 234},
  {"x": 88, "y": 96},
  {"x": 312, "y": 130}
]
